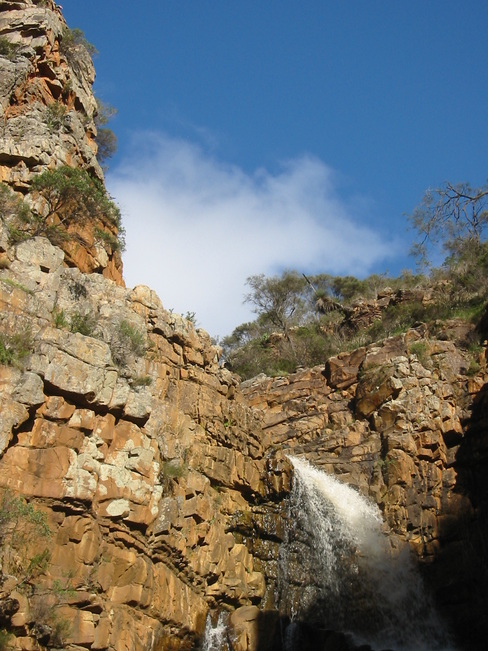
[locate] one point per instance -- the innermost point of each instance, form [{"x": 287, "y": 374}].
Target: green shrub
[
  {"x": 67, "y": 90},
  {"x": 59, "y": 319},
  {"x": 8, "y": 49},
  {"x": 4, "y": 639},
  {"x": 75, "y": 196},
  {"x": 135, "y": 339},
  {"x": 54, "y": 116},
  {"x": 142, "y": 381},
  {"x": 173, "y": 469},
  {"x": 397, "y": 319},
  {"x": 71, "y": 42},
  {"x": 127, "y": 342},
  {"x": 22, "y": 529},
  {"x": 15, "y": 214},
  {"x": 420, "y": 349},
  {"x": 106, "y": 139},
  {"x": 15, "y": 348},
  {"x": 69, "y": 197},
  {"x": 72, "y": 197},
  {"x": 289, "y": 332},
  {"x": 473, "y": 368},
  {"x": 85, "y": 324},
  {"x": 25, "y": 556},
  {"x": 191, "y": 317},
  {"x": 115, "y": 243},
  {"x": 107, "y": 144}
]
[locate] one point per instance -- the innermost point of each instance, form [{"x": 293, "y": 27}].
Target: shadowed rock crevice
[{"x": 459, "y": 572}]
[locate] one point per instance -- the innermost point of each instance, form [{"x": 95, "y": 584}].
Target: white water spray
[
  {"x": 215, "y": 636},
  {"x": 359, "y": 586}
]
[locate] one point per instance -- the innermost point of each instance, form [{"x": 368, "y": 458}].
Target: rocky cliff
[
  {"x": 163, "y": 481},
  {"x": 48, "y": 109}
]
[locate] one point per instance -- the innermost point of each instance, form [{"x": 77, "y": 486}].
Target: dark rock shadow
[
  {"x": 458, "y": 575},
  {"x": 282, "y": 634}
]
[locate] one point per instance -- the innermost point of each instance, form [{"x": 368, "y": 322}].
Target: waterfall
[
  {"x": 341, "y": 573},
  {"x": 215, "y": 637}
]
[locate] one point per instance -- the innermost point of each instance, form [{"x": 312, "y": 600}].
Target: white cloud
[{"x": 198, "y": 227}]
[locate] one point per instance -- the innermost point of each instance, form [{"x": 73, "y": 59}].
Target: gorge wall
[
  {"x": 164, "y": 481},
  {"x": 48, "y": 111}
]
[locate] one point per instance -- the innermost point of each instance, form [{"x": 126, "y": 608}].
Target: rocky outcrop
[
  {"x": 402, "y": 421},
  {"x": 363, "y": 313},
  {"x": 45, "y": 94},
  {"x": 48, "y": 109},
  {"x": 137, "y": 446}
]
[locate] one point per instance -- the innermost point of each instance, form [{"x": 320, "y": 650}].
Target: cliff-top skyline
[{"x": 281, "y": 135}]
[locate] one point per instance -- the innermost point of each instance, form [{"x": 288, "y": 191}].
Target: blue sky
[{"x": 258, "y": 136}]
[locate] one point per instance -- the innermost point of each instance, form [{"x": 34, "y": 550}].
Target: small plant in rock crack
[
  {"x": 171, "y": 471},
  {"x": 473, "y": 368},
  {"x": 421, "y": 350},
  {"x": 14, "y": 348},
  {"x": 54, "y": 116},
  {"x": 85, "y": 324},
  {"x": 59, "y": 319},
  {"x": 14, "y": 284},
  {"x": 8, "y": 49},
  {"x": 141, "y": 381},
  {"x": 127, "y": 342}
]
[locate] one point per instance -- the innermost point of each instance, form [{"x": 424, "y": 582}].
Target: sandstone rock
[
  {"x": 165, "y": 482},
  {"x": 39, "y": 252},
  {"x": 244, "y": 626},
  {"x": 341, "y": 371},
  {"x": 12, "y": 414},
  {"x": 30, "y": 390}
]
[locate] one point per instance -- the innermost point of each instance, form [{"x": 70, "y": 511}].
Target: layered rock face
[
  {"x": 404, "y": 422},
  {"x": 48, "y": 109},
  {"x": 137, "y": 446},
  {"x": 164, "y": 481}
]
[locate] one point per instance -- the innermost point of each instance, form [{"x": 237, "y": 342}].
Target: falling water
[
  {"x": 359, "y": 585},
  {"x": 215, "y": 636}
]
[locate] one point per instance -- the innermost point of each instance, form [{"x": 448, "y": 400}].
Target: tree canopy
[
  {"x": 450, "y": 219},
  {"x": 62, "y": 200}
]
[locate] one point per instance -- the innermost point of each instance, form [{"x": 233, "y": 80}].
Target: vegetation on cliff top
[{"x": 303, "y": 320}]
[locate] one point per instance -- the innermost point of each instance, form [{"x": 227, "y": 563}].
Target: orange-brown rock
[
  {"x": 163, "y": 480},
  {"x": 46, "y": 92}
]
